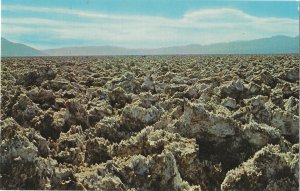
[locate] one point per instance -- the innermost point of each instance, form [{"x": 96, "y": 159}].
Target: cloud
[{"x": 201, "y": 26}]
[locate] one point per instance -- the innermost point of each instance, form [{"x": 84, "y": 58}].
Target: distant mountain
[
  {"x": 9, "y": 48},
  {"x": 88, "y": 51},
  {"x": 272, "y": 45}
]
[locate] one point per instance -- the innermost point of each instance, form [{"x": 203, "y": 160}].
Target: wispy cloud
[{"x": 201, "y": 26}]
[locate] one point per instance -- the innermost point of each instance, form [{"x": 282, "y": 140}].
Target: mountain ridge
[
  {"x": 279, "y": 44},
  {"x": 270, "y": 45},
  {"x": 11, "y": 49}
]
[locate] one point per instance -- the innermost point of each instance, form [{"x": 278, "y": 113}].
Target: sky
[{"x": 144, "y": 23}]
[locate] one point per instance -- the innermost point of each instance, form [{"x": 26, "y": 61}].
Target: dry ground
[{"x": 150, "y": 123}]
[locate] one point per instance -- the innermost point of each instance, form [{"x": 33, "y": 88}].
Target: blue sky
[{"x": 144, "y": 24}]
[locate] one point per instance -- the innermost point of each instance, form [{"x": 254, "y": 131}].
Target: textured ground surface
[{"x": 150, "y": 123}]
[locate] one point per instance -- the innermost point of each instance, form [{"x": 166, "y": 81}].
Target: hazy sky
[{"x": 144, "y": 23}]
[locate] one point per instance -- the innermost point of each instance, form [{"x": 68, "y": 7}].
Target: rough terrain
[{"x": 150, "y": 123}]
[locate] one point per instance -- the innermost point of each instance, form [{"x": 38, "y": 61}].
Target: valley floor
[{"x": 150, "y": 123}]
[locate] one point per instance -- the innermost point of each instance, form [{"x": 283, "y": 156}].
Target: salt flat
[{"x": 225, "y": 122}]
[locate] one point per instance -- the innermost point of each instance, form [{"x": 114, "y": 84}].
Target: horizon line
[{"x": 146, "y": 48}]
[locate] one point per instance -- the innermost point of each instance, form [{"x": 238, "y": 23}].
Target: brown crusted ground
[{"x": 150, "y": 123}]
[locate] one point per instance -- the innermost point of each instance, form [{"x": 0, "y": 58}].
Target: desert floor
[{"x": 150, "y": 123}]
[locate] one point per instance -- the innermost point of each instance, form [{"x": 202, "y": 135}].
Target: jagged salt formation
[{"x": 150, "y": 123}]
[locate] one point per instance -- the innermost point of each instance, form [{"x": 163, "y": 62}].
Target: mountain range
[
  {"x": 272, "y": 45},
  {"x": 9, "y": 48}
]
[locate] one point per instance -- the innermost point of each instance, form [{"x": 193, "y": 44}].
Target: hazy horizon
[
  {"x": 107, "y": 45},
  {"x": 135, "y": 24}
]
